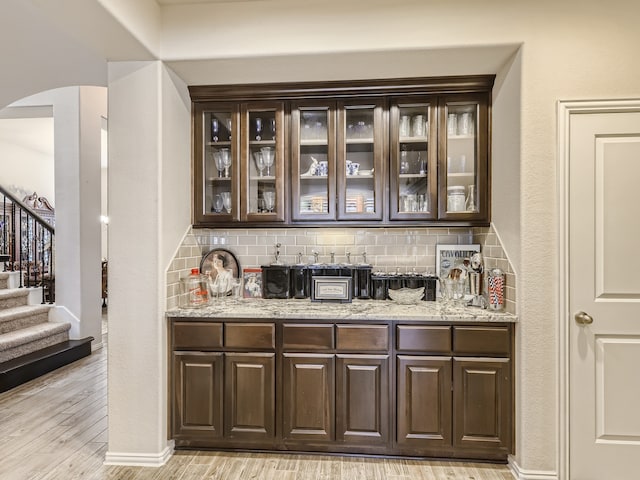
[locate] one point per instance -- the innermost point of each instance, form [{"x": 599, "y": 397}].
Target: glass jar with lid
[{"x": 456, "y": 199}]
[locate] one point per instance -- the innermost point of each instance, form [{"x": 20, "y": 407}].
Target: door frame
[{"x": 565, "y": 110}]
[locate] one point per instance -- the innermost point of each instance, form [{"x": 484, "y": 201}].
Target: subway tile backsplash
[{"x": 387, "y": 249}]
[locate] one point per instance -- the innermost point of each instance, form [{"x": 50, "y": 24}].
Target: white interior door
[{"x": 604, "y": 283}]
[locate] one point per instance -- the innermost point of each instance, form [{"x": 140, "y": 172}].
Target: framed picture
[
  {"x": 452, "y": 256},
  {"x": 219, "y": 260},
  {"x": 252, "y": 281}
]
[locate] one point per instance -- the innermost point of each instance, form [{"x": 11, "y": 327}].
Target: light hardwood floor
[{"x": 55, "y": 428}]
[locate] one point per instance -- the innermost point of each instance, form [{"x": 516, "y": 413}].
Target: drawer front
[
  {"x": 427, "y": 339},
  {"x": 307, "y": 337},
  {"x": 492, "y": 341},
  {"x": 362, "y": 338},
  {"x": 197, "y": 335},
  {"x": 250, "y": 335}
]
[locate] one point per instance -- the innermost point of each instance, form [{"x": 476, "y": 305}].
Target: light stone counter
[{"x": 357, "y": 310}]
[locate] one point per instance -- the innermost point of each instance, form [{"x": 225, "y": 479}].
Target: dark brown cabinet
[
  {"x": 376, "y": 387},
  {"x": 362, "y": 399},
  {"x": 249, "y": 395},
  {"x": 308, "y": 387},
  {"x": 197, "y": 395},
  {"x": 382, "y": 151}
]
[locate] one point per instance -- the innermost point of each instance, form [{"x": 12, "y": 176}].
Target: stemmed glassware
[
  {"x": 217, "y": 203},
  {"x": 226, "y": 201},
  {"x": 259, "y": 128},
  {"x": 225, "y": 159},
  {"x": 215, "y": 129},
  {"x": 269, "y": 200},
  {"x": 259, "y": 158},
  {"x": 218, "y": 160},
  {"x": 268, "y": 154}
]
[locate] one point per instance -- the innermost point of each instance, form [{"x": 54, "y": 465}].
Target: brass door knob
[{"x": 583, "y": 318}]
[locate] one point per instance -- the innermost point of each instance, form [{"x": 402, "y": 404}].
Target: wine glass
[
  {"x": 217, "y": 203},
  {"x": 268, "y": 153},
  {"x": 215, "y": 129},
  {"x": 226, "y": 201},
  {"x": 272, "y": 128},
  {"x": 225, "y": 158},
  {"x": 258, "y": 128},
  {"x": 218, "y": 159},
  {"x": 269, "y": 200},
  {"x": 259, "y": 158}
]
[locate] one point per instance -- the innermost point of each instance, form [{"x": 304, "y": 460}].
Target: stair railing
[{"x": 27, "y": 245}]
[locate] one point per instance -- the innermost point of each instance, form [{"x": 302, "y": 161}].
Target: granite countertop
[{"x": 357, "y": 310}]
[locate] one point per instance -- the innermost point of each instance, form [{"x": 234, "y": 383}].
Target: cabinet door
[
  {"x": 482, "y": 403},
  {"x": 412, "y": 154},
  {"x": 360, "y": 169},
  {"x": 263, "y": 162},
  {"x": 216, "y": 163},
  {"x": 424, "y": 401},
  {"x": 250, "y": 396},
  {"x": 313, "y": 161},
  {"x": 197, "y": 395},
  {"x": 362, "y": 399},
  {"x": 464, "y": 157},
  {"x": 308, "y": 397}
]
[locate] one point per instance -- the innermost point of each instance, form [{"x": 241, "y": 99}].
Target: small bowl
[{"x": 407, "y": 296}]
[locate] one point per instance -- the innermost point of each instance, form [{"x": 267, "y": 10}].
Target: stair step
[
  {"x": 27, "y": 367},
  {"x": 13, "y": 297},
  {"x": 24, "y": 316},
  {"x": 26, "y": 340}
]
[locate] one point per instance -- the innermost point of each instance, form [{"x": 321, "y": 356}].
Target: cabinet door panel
[
  {"x": 250, "y": 396},
  {"x": 482, "y": 402},
  {"x": 309, "y": 392},
  {"x": 197, "y": 396},
  {"x": 424, "y": 401},
  {"x": 362, "y": 399}
]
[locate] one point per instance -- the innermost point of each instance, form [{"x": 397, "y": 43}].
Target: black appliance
[{"x": 276, "y": 281}]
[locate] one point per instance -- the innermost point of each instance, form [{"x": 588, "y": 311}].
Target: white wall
[
  {"x": 26, "y": 154},
  {"x": 149, "y": 185}
]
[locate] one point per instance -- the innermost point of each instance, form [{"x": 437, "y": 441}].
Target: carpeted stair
[{"x": 31, "y": 345}]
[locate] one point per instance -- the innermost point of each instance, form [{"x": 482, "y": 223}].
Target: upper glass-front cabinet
[
  {"x": 313, "y": 161},
  {"x": 413, "y": 153},
  {"x": 239, "y": 163},
  {"x": 216, "y": 159},
  {"x": 359, "y": 163},
  {"x": 263, "y": 198},
  {"x": 337, "y": 165},
  {"x": 371, "y": 152},
  {"x": 463, "y": 158}
]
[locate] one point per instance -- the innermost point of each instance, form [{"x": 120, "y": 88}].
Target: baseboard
[
  {"x": 140, "y": 459},
  {"x": 522, "y": 474}
]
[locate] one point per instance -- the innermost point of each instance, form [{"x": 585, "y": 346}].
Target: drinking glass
[
  {"x": 236, "y": 288},
  {"x": 259, "y": 158},
  {"x": 217, "y": 203},
  {"x": 218, "y": 159},
  {"x": 268, "y": 153},
  {"x": 226, "y": 201},
  {"x": 225, "y": 158},
  {"x": 259, "y": 127},
  {"x": 269, "y": 200},
  {"x": 215, "y": 129},
  {"x": 272, "y": 128}
]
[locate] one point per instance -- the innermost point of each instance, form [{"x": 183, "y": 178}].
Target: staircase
[{"x": 31, "y": 345}]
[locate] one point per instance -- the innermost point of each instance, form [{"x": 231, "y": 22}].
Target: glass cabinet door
[
  {"x": 359, "y": 162},
  {"x": 413, "y": 150},
  {"x": 313, "y": 161},
  {"x": 464, "y": 154},
  {"x": 263, "y": 162},
  {"x": 216, "y": 154}
]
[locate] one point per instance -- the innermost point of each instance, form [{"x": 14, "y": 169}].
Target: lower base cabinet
[{"x": 386, "y": 388}]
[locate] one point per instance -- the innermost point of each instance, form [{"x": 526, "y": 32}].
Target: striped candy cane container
[{"x": 495, "y": 287}]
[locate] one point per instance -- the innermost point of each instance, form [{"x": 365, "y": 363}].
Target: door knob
[{"x": 583, "y": 318}]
